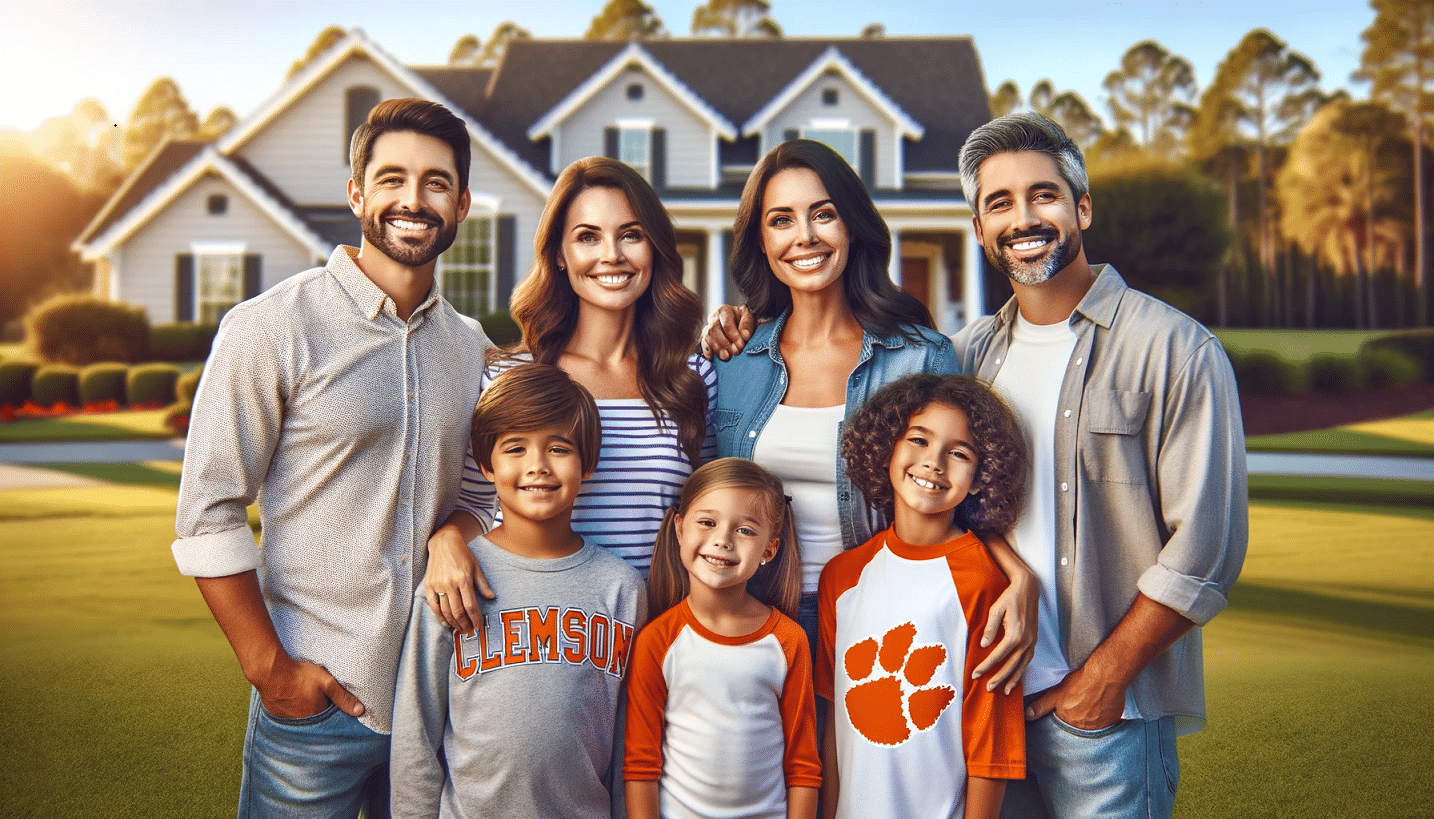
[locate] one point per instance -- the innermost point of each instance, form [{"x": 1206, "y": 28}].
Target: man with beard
[
  {"x": 1136, "y": 518},
  {"x": 340, "y": 400}
]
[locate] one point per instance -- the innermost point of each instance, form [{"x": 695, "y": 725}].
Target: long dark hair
[
  {"x": 778, "y": 583},
  {"x": 667, "y": 314},
  {"x": 873, "y": 298}
]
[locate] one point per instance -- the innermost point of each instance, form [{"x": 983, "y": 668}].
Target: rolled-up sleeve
[
  {"x": 1204, "y": 490},
  {"x": 233, "y": 429}
]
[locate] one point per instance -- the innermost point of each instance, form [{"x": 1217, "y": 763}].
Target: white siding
[
  {"x": 304, "y": 149},
  {"x": 489, "y": 177},
  {"x": 146, "y": 262},
  {"x": 691, "y": 142},
  {"x": 851, "y": 105}
]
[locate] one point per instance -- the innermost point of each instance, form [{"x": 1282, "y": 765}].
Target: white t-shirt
[
  {"x": 1030, "y": 380},
  {"x": 799, "y": 445}
]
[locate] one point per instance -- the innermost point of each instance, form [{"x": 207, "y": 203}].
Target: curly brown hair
[{"x": 999, "y": 487}]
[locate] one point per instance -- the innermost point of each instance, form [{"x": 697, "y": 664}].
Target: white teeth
[
  {"x": 1029, "y": 244},
  {"x": 614, "y": 278},
  {"x": 404, "y": 224},
  {"x": 717, "y": 561},
  {"x": 925, "y": 484},
  {"x": 809, "y": 264}
]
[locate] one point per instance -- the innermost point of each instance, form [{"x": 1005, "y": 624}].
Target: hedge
[
  {"x": 55, "y": 384},
  {"x": 1389, "y": 366},
  {"x": 187, "y": 385},
  {"x": 151, "y": 385},
  {"x": 1336, "y": 374},
  {"x": 181, "y": 342},
  {"x": 1265, "y": 373},
  {"x": 500, "y": 328},
  {"x": 1418, "y": 345},
  {"x": 83, "y": 329},
  {"x": 15, "y": 381},
  {"x": 176, "y": 417},
  {"x": 103, "y": 384}
]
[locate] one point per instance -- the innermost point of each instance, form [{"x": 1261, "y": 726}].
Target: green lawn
[
  {"x": 1295, "y": 345},
  {"x": 123, "y": 698},
  {"x": 1410, "y": 435},
  {"x": 109, "y": 426}
]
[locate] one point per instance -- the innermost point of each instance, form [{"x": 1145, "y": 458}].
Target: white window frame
[
  {"x": 820, "y": 127},
  {"x": 634, "y": 145},
  {"x": 222, "y": 260},
  {"x": 465, "y": 258}
]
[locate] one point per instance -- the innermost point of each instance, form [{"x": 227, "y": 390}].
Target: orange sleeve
[
  {"x": 801, "y": 761},
  {"x": 840, "y": 574},
  {"x": 647, "y": 698},
  {"x": 993, "y": 724}
]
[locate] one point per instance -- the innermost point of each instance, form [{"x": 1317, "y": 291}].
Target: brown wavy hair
[
  {"x": 778, "y": 584},
  {"x": 999, "y": 487},
  {"x": 873, "y": 298},
  {"x": 536, "y": 396},
  {"x": 667, "y": 315}
]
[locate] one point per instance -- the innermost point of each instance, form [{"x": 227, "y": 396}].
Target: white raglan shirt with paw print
[{"x": 900, "y": 635}]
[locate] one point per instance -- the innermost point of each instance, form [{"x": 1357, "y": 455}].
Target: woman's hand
[
  {"x": 454, "y": 580},
  {"x": 1015, "y": 612},
  {"x": 727, "y": 331}
]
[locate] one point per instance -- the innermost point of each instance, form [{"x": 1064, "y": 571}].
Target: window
[
  {"x": 466, "y": 268},
  {"x": 634, "y": 147},
  {"x": 358, "y": 101},
  {"x": 829, "y": 96},
  {"x": 841, "y": 139},
  {"x": 634, "y": 91},
  {"x": 218, "y": 279},
  {"x": 218, "y": 204}
]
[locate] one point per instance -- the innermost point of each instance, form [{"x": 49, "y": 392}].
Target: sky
[{"x": 58, "y": 52}]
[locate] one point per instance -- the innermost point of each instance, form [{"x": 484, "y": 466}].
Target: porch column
[
  {"x": 894, "y": 266},
  {"x": 716, "y": 271},
  {"x": 973, "y": 285}
]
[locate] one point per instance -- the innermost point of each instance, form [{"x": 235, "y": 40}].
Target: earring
[{"x": 763, "y": 563}]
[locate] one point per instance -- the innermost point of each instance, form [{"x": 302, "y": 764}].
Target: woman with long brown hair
[{"x": 605, "y": 302}]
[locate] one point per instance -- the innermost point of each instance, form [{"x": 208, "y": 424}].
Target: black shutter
[
  {"x": 253, "y": 278},
  {"x": 507, "y": 237},
  {"x": 790, "y": 134},
  {"x": 658, "y": 158},
  {"x": 866, "y": 157},
  {"x": 609, "y": 142},
  {"x": 184, "y": 287},
  {"x": 731, "y": 292}
]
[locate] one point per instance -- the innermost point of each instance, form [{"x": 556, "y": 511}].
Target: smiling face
[
  {"x": 605, "y": 250},
  {"x": 933, "y": 465},
  {"x": 804, "y": 237},
  {"x": 1028, "y": 222},
  {"x": 409, "y": 204},
  {"x": 537, "y": 473},
  {"x": 725, "y": 535}
]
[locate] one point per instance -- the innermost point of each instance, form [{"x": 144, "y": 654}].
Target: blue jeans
[
  {"x": 1128, "y": 770},
  {"x": 327, "y": 765}
]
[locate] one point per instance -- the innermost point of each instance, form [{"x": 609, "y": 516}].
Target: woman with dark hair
[
  {"x": 811, "y": 257},
  {"x": 605, "y": 302}
]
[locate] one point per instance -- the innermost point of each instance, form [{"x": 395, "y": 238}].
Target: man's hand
[
  {"x": 727, "y": 331},
  {"x": 1016, "y": 613},
  {"x": 454, "y": 579},
  {"x": 1082, "y": 700},
  {"x": 295, "y": 689}
]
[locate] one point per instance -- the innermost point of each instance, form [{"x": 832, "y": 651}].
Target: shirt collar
[
  {"x": 369, "y": 297},
  {"x": 1098, "y": 304},
  {"x": 765, "y": 337}
]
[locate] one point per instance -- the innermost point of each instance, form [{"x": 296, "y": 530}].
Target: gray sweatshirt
[{"x": 518, "y": 718}]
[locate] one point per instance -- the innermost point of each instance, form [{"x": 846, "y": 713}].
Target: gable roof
[
  {"x": 162, "y": 163},
  {"x": 633, "y": 54},
  {"x": 833, "y": 60}
]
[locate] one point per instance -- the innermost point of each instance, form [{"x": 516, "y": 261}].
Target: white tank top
[{"x": 799, "y": 445}]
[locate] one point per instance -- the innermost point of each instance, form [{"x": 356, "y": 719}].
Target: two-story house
[{"x": 198, "y": 227}]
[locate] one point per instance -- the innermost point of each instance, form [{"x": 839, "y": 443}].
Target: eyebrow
[
  {"x": 929, "y": 434},
  {"x": 383, "y": 169},
  {"x": 785, "y": 209},
  {"x": 518, "y": 436},
  {"x": 1043, "y": 185},
  {"x": 739, "y": 518},
  {"x": 624, "y": 226}
]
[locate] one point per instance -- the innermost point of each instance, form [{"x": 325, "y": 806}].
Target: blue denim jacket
[{"x": 752, "y": 383}]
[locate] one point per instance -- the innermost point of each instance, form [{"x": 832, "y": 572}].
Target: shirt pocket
[
  {"x": 725, "y": 419},
  {"x": 1113, "y": 446}
]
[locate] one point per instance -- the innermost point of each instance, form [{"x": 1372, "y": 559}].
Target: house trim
[{"x": 833, "y": 59}]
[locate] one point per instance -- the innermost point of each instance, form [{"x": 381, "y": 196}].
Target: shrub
[
  {"x": 1265, "y": 373},
  {"x": 1389, "y": 366},
  {"x": 56, "y": 384},
  {"x": 176, "y": 417},
  {"x": 187, "y": 386},
  {"x": 15, "y": 380},
  {"x": 502, "y": 330},
  {"x": 1418, "y": 345},
  {"x": 82, "y": 329},
  {"x": 101, "y": 383},
  {"x": 1336, "y": 374},
  {"x": 150, "y": 386},
  {"x": 184, "y": 341}
]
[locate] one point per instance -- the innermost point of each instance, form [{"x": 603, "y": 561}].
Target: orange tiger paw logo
[{"x": 887, "y": 707}]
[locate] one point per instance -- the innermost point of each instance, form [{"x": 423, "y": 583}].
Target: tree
[
  {"x": 85, "y": 144},
  {"x": 1007, "y": 99},
  {"x": 466, "y": 51},
  {"x": 497, "y": 45},
  {"x": 1342, "y": 194},
  {"x": 321, "y": 43},
  {"x": 161, "y": 113},
  {"x": 1151, "y": 95},
  {"x": 873, "y": 31},
  {"x": 626, "y": 20},
  {"x": 1068, "y": 110},
  {"x": 735, "y": 18},
  {"x": 36, "y": 231},
  {"x": 220, "y": 120},
  {"x": 1398, "y": 62}
]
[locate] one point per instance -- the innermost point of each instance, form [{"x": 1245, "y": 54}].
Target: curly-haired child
[{"x": 909, "y": 732}]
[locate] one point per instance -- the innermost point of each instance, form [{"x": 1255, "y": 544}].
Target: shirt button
[
  {"x": 998, "y": 361},
  {"x": 752, "y": 433},
  {"x": 1063, "y": 561},
  {"x": 1064, "y": 486},
  {"x": 1080, "y": 361},
  {"x": 1067, "y": 413}
]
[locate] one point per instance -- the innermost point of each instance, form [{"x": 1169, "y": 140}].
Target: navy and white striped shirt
[{"x": 640, "y": 472}]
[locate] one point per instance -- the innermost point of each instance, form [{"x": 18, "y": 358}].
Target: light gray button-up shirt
[
  {"x": 1151, "y": 490},
  {"x": 349, "y": 426}
]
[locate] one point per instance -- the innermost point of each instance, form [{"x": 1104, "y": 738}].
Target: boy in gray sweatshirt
[{"x": 517, "y": 717}]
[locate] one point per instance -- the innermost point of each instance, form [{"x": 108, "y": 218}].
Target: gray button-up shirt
[
  {"x": 1151, "y": 490},
  {"x": 349, "y": 427}
]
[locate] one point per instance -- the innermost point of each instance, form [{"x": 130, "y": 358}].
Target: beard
[
  {"x": 1059, "y": 253},
  {"x": 409, "y": 252}
]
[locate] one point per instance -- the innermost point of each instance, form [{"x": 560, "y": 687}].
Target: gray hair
[{"x": 1025, "y": 131}]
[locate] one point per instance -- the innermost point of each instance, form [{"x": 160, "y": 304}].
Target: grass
[
  {"x": 1410, "y": 435},
  {"x": 1296, "y": 345},
  {"x": 123, "y": 698},
  {"x": 126, "y": 425}
]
